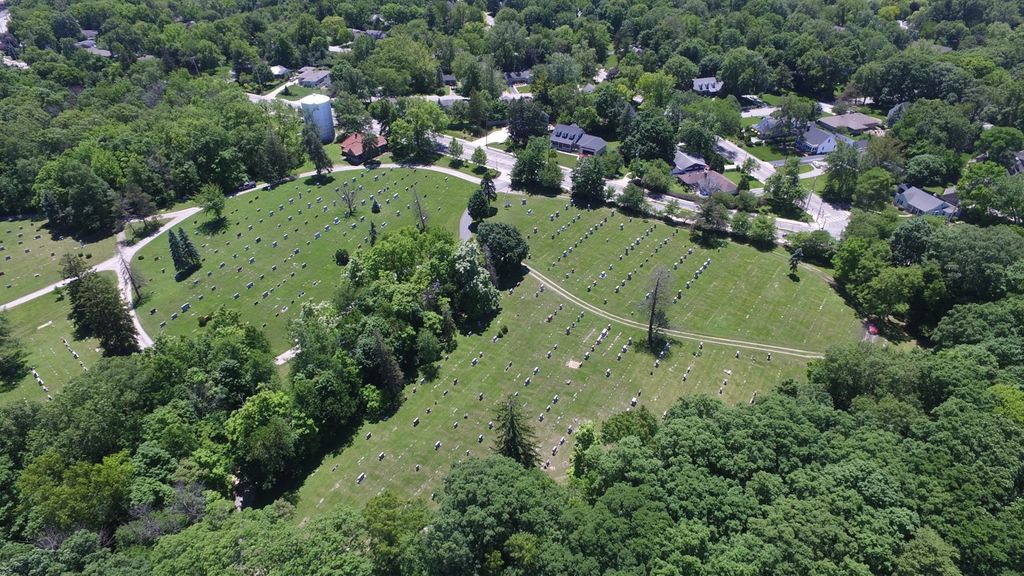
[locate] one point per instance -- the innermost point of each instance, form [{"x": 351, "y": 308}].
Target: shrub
[{"x": 341, "y": 257}]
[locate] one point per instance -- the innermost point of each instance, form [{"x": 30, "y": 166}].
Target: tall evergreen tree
[
  {"x": 515, "y": 438},
  {"x": 487, "y": 187},
  {"x": 315, "y": 148},
  {"x": 176, "y": 255},
  {"x": 189, "y": 255}
]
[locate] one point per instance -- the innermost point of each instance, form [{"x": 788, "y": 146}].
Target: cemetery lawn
[
  {"x": 744, "y": 295},
  {"x": 587, "y": 396},
  {"x": 289, "y": 278},
  {"x": 20, "y": 272},
  {"x": 40, "y": 324}
]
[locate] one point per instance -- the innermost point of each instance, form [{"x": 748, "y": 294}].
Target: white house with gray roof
[
  {"x": 916, "y": 201},
  {"x": 814, "y": 140},
  {"x": 708, "y": 85}
]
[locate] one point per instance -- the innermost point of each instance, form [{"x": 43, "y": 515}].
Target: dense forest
[{"x": 882, "y": 461}]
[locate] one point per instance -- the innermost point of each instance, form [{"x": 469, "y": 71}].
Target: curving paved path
[{"x": 172, "y": 219}]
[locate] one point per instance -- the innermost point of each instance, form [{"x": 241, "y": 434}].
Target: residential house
[
  {"x": 852, "y": 122},
  {"x": 769, "y": 128},
  {"x": 89, "y": 44},
  {"x": 375, "y": 34},
  {"x": 707, "y": 182},
  {"x": 708, "y": 85},
  {"x": 949, "y": 196},
  {"x": 521, "y": 77},
  {"x": 356, "y": 151},
  {"x": 1018, "y": 163},
  {"x": 587, "y": 88},
  {"x": 686, "y": 163},
  {"x": 572, "y": 138},
  {"x": 814, "y": 140},
  {"x": 447, "y": 79},
  {"x": 280, "y": 71},
  {"x": 916, "y": 201},
  {"x": 310, "y": 77}
]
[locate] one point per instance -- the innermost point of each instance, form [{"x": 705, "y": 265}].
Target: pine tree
[
  {"x": 487, "y": 187},
  {"x": 189, "y": 255},
  {"x": 373, "y": 233},
  {"x": 515, "y": 438},
  {"x": 179, "y": 264}
]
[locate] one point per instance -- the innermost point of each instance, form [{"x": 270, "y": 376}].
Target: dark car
[{"x": 249, "y": 185}]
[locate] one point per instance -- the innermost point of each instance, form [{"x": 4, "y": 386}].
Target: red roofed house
[{"x": 356, "y": 152}]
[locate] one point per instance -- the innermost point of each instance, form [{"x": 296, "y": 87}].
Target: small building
[
  {"x": 916, "y": 201},
  {"x": 572, "y": 138},
  {"x": 521, "y": 77},
  {"x": 447, "y": 79},
  {"x": 949, "y": 196},
  {"x": 814, "y": 140},
  {"x": 590, "y": 145},
  {"x": 310, "y": 77},
  {"x": 686, "y": 163},
  {"x": 896, "y": 112},
  {"x": 708, "y": 85},
  {"x": 356, "y": 151},
  {"x": 587, "y": 88},
  {"x": 89, "y": 45},
  {"x": 1018, "y": 163},
  {"x": 771, "y": 128},
  {"x": 279, "y": 71},
  {"x": 375, "y": 34},
  {"x": 707, "y": 182},
  {"x": 852, "y": 122}
]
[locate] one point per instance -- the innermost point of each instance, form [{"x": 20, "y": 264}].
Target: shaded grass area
[
  {"x": 39, "y": 325},
  {"x": 288, "y": 277},
  {"x": 29, "y": 271}
]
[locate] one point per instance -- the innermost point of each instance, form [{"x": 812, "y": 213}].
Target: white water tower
[{"x": 317, "y": 108}]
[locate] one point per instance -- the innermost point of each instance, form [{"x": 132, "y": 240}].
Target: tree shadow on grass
[
  {"x": 794, "y": 277},
  {"x": 323, "y": 179},
  {"x": 213, "y": 226}
]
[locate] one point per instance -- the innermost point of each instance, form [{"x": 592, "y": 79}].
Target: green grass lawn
[
  {"x": 296, "y": 92},
  {"x": 767, "y": 152},
  {"x": 466, "y": 167},
  {"x": 524, "y": 89},
  {"x": 748, "y": 122},
  {"x": 733, "y": 176},
  {"x": 566, "y": 160},
  {"x": 35, "y": 255},
  {"x": 503, "y": 146},
  {"x": 744, "y": 294},
  {"x": 333, "y": 152},
  {"x": 287, "y": 277},
  {"x": 771, "y": 99},
  {"x": 585, "y": 394},
  {"x": 39, "y": 325},
  {"x": 805, "y": 168}
]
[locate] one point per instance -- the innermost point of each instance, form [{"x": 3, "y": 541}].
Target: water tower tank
[{"x": 317, "y": 107}]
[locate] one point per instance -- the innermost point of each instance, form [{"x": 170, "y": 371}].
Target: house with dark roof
[
  {"x": 356, "y": 151},
  {"x": 89, "y": 45},
  {"x": 707, "y": 182},
  {"x": 708, "y": 85},
  {"x": 590, "y": 145},
  {"x": 916, "y": 201},
  {"x": 375, "y": 34},
  {"x": 447, "y": 79},
  {"x": 521, "y": 77},
  {"x": 587, "y": 88},
  {"x": 814, "y": 140},
  {"x": 310, "y": 77},
  {"x": 686, "y": 163},
  {"x": 852, "y": 122},
  {"x": 770, "y": 127},
  {"x": 1018, "y": 163},
  {"x": 572, "y": 138}
]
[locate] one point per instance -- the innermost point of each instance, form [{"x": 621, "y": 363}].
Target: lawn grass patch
[
  {"x": 296, "y": 92},
  {"x": 40, "y": 324},
  {"x": 288, "y": 278},
  {"x": 566, "y": 160},
  {"x": 35, "y": 256}
]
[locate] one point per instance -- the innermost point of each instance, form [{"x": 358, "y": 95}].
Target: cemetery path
[
  {"x": 808, "y": 354},
  {"x": 464, "y": 232}
]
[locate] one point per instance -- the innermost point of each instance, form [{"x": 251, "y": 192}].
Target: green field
[
  {"x": 288, "y": 278},
  {"x": 40, "y": 324},
  {"x": 585, "y": 394},
  {"x": 744, "y": 295},
  {"x": 35, "y": 254},
  {"x": 296, "y": 92}
]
